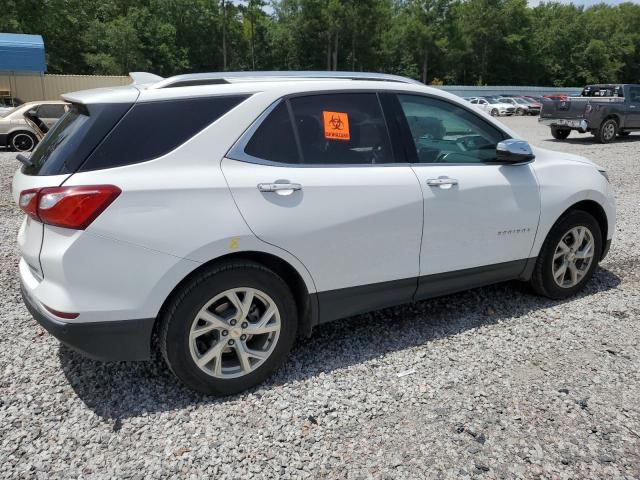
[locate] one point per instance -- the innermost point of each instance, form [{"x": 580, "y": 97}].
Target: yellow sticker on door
[{"x": 336, "y": 126}]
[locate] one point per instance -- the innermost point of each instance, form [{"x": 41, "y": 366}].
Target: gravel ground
[{"x": 503, "y": 385}]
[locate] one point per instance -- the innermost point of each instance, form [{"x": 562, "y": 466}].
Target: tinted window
[
  {"x": 60, "y": 140},
  {"x": 341, "y": 128},
  {"x": 50, "y": 111},
  {"x": 446, "y": 133},
  {"x": 274, "y": 139},
  {"x": 634, "y": 94},
  {"x": 73, "y": 138},
  {"x": 150, "y": 130}
]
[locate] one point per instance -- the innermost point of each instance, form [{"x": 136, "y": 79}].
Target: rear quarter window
[{"x": 153, "y": 129}]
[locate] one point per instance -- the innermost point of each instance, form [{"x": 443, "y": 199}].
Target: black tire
[
  {"x": 560, "y": 133},
  {"x": 22, "y": 141},
  {"x": 542, "y": 279},
  {"x": 495, "y": 112},
  {"x": 520, "y": 112},
  {"x": 607, "y": 131},
  {"x": 624, "y": 134},
  {"x": 178, "y": 317}
]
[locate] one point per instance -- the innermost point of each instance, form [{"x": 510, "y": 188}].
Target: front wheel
[
  {"x": 607, "y": 131},
  {"x": 229, "y": 328},
  {"x": 520, "y": 111},
  {"x": 560, "y": 133},
  {"x": 494, "y": 112},
  {"x": 568, "y": 256}
]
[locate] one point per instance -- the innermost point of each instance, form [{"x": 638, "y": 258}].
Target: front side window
[
  {"x": 341, "y": 128},
  {"x": 446, "y": 133}
]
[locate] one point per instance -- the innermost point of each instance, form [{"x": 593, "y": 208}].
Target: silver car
[{"x": 18, "y": 134}]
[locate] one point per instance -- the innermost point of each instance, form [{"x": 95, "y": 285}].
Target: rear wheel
[
  {"x": 22, "y": 142},
  {"x": 607, "y": 131},
  {"x": 560, "y": 133},
  {"x": 568, "y": 256},
  {"x": 229, "y": 328}
]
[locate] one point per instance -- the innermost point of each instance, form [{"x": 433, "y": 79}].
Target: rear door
[
  {"x": 316, "y": 175},
  {"x": 480, "y": 217},
  {"x": 50, "y": 113}
]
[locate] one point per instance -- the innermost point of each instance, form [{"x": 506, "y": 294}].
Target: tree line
[{"x": 468, "y": 42}]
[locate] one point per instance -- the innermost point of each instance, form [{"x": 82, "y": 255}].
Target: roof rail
[{"x": 213, "y": 78}]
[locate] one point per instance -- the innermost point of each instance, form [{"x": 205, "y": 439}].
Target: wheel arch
[
  {"x": 306, "y": 303},
  {"x": 594, "y": 209}
]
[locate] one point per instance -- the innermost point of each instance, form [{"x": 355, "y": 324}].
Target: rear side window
[
  {"x": 341, "y": 128},
  {"x": 336, "y": 128},
  {"x": 274, "y": 140},
  {"x": 150, "y": 130},
  {"x": 50, "y": 111}
]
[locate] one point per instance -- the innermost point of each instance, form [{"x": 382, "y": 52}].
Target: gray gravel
[{"x": 506, "y": 384}]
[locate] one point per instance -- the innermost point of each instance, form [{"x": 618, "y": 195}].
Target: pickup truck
[{"x": 603, "y": 110}]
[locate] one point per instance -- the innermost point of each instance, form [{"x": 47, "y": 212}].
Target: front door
[
  {"x": 633, "y": 116},
  {"x": 317, "y": 178},
  {"x": 480, "y": 217}
]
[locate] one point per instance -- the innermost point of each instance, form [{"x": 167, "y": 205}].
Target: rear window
[
  {"x": 73, "y": 137},
  {"x": 150, "y": 130}
]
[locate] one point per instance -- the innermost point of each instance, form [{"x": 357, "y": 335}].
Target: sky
[{"x": 587, "y": 3}]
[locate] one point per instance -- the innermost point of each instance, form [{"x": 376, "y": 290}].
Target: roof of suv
[{"x": 149, "y": 87}]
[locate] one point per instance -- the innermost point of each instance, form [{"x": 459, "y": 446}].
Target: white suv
[{"x": 217, "y": 216}]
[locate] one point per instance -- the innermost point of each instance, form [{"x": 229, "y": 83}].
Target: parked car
[
  {"x": 180, "y": 207},
  {"x": 493, "y": 106},
  {"x": 522, "y": 107},
  {"x": 556, "y": 96},
  {"x": 534, "y": 107},
  {"x": 18, "y": 133},
  {"x": 603, "y": 110},
  {"x": 8, "y": 103}
]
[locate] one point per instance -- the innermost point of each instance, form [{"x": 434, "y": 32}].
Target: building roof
[{"x": 22, "y": 53}]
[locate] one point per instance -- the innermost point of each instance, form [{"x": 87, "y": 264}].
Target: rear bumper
[
  {"x": 576, "y": 124},
  {"x": 106, "y": 341}
]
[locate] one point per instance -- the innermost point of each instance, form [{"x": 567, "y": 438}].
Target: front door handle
[
  {"x": 440, "y": 181},
  {"x": 279, "y": 188}
]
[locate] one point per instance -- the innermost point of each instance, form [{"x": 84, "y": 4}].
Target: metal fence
[
  {"x": 480, "y": 91},
  {"x": 30, "y": 87}
]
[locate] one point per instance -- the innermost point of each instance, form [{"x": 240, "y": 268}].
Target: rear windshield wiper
[{"x": 24, "y": 160}]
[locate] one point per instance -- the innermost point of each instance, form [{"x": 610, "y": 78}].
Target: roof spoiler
[{"x": 140, "y": 78}]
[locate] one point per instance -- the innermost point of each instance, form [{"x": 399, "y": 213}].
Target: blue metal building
[{"x": 22, "y": 53}]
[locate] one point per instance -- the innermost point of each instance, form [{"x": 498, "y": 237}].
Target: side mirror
[{"x": 514, "y": 151}]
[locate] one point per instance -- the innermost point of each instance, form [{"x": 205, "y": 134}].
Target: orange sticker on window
[{"x": 336, "y": 126}]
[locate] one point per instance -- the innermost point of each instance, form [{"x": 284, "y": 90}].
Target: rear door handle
[
  {"x": 279, "y": 188},
  {"x": 440, "y": 181}
]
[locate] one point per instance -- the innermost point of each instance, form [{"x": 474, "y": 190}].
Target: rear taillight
[
  {"x": 29, "y": 202},
  {"x": 68, "y": 207}
]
